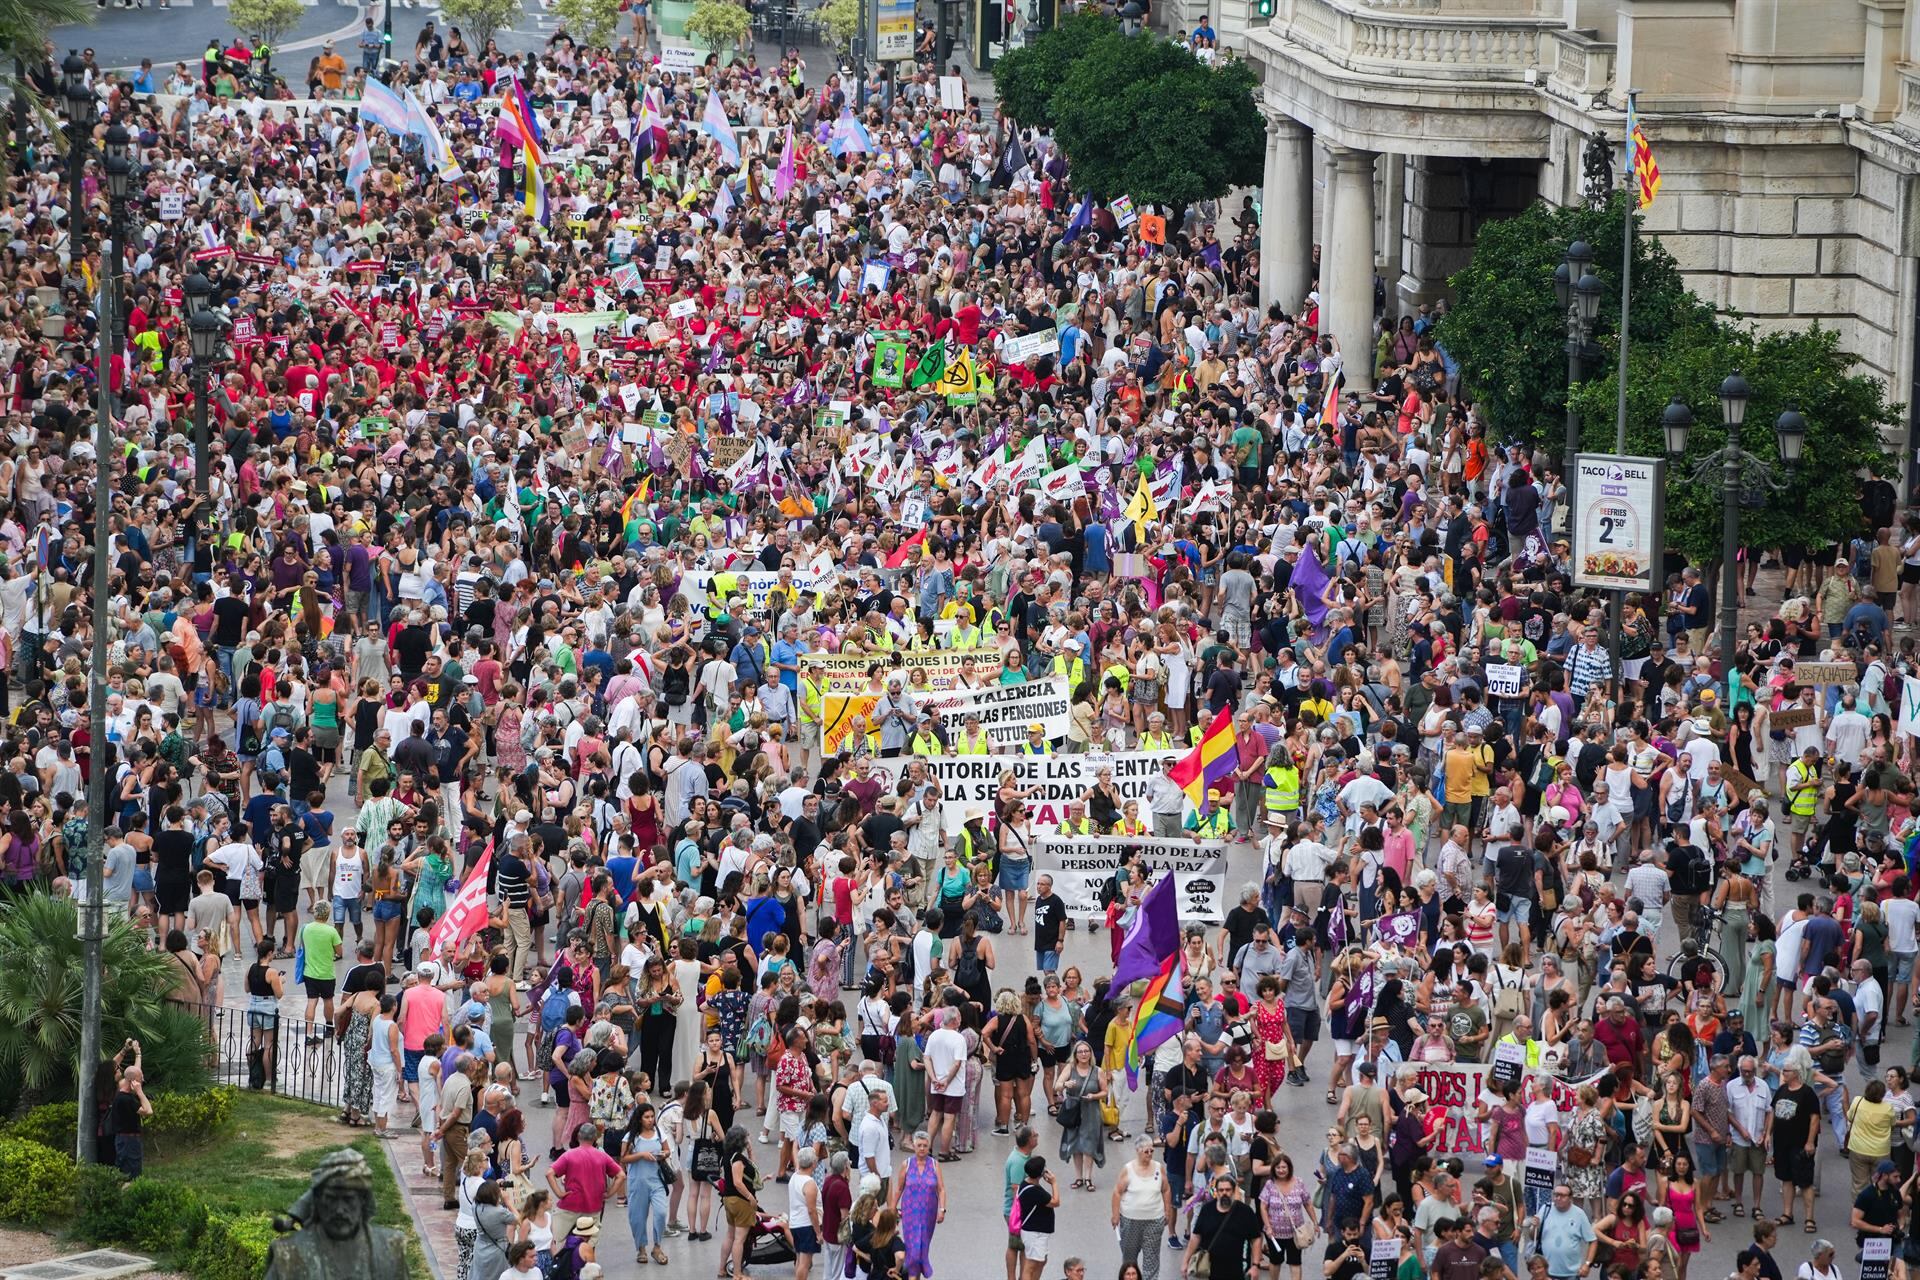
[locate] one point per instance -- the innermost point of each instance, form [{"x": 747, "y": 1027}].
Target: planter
[{"x": 673, "y": 15}]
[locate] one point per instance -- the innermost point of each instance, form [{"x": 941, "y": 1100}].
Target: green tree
[
  {"x": 1804, "y": 370},
  {"x": 840, "y": 19},
  {"x": 720, "y": 25},
  {"x": 1508, "y": 332},
  {"x": 265, "y": 21},
  {"x": 591, "y": 22},
  {"x": 1024, "y": 79},
  {"x": 23, "y": 28},
  {"x": 480, "y": 19},
  {"x": 42, "y": 972},
  {"x": 1142, "y": 117}
]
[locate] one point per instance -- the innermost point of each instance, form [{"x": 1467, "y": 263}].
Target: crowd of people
[{"x": 532, "y": 534}]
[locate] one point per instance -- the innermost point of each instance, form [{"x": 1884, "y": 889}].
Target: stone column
[
  {"x": 1286, "y": 214},
  {"x": 1347, "y": 283}
]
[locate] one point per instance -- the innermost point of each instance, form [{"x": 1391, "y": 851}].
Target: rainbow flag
[
  {"x": 1158, "y": 1017},
  {"x": 1211, "y": 763},
  {"x": 514, "y": 106}
]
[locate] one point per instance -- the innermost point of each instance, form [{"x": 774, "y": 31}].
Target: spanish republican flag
[{"x": 1209, "y": 764}]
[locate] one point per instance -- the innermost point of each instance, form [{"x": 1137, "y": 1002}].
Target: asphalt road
[{"x": 121, "y": 37}]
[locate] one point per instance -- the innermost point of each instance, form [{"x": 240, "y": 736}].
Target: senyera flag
[{"x": 466, "y": 911}]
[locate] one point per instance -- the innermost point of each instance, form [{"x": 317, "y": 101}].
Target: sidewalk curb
[{"x": 413, "y": 1212}]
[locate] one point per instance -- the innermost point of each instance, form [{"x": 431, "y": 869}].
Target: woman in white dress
[
  {"x": 1176, "y": 666},
  {"x": 688, "y": 1032}
]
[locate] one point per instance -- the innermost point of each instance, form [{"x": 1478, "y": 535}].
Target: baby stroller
[{"x": 769, "y": 1243}]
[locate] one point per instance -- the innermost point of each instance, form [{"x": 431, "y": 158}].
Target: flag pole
[
  {"x": 1616, "y": 600},
  {"x": 1626, "y": 275}
]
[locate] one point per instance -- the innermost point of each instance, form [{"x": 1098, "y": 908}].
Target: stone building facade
[{"x": 1787, "y": 133}]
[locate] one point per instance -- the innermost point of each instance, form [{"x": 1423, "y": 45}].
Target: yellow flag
[
  {"x": 959, "y": 378},
  {"x": 1142, "y": 508}
]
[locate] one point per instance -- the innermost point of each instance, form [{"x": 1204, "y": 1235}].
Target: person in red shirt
[
  {"x": 582, "y": 1178},
  {"x": 1619, "y": 1031},
  {"x": 967, "y": 321}
]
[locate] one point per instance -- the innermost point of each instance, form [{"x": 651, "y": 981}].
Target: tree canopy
[
  {"x": 1508, "y": 333},
  {"x": 1136, "y": 115},
  {"x": 1804, "y": 370}
]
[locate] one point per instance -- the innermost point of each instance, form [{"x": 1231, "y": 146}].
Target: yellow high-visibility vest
[{"x": 1283, "y": 790}]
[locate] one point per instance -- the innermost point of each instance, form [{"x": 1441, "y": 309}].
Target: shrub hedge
[
  {"x": 39, "y": 1185},
  {"x": 188, "y": 1117},
  {"x": 36, "y": 1183}
]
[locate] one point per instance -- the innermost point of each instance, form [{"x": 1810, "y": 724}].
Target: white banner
[
  {"x": 1458, "y": 1087},
  {"x": 679, "y": 59},
  {"x": 1030, "y": 346},
  {"x": 755, "y": 584},
  {"x": 1505, "y": 679},
  {"x": 968, "y": 783},
  {"x": 1005, "y": 711},
  {"x": 1080, "y": 865}
]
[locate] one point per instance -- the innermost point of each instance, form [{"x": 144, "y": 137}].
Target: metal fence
[{"x": 273, "y": 1053}]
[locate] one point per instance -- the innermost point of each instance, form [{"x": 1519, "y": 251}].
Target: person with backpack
[{"x": 970, "y": 959}]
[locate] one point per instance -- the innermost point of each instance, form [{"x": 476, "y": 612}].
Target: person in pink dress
[{"x": 1689, "y": 1228}]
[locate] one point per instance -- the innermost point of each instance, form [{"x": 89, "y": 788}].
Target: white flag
[{"x": 1910, "y": 706}]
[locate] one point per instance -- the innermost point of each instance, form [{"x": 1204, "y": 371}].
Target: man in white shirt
[
  {"x": 1847, "y": 732},
  {"x": 1869, "y": 1017},
  {"x": 1750, "y": 1121},
  {"x": 875, "y": 1142},
  {"x": 1649, "y": 882},
  {"x": 1306, "y": 865},
  {"x": 1901, "y": 913},
  {"x": 1456, "y": 867},
  {"x": 946, "y": 1063},
  {"x": 1700, "y": 752}
]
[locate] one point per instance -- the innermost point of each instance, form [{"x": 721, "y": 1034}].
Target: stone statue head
[{"x": 339, "y": 1200}]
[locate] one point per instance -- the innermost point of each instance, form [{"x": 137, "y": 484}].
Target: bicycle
[{"x": 1699, "y": 947}]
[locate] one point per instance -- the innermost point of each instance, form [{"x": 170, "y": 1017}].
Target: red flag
[
  {"x": 466, "y": 910},
  {"x": 899, "y": 557}
]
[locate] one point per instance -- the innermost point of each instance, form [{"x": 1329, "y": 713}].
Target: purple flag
[
  {"x": 1400, "y": 929},
  {"x": 1309, "y": 581},
  {"x": 1365, "y": 990},
  {"x": 656, "y": 456},
  {"x": 1153, "y": 936}
]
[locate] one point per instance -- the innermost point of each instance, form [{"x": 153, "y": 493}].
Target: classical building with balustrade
[{"x": 1787, "y": 132}]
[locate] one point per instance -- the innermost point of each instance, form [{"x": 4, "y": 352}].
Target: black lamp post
[
  {"x": 79, "y": 133},
  {"x": 203, "y": 330},
  {"x": 1578, "y": 291},
  {"x": 1738, "y": 471}
]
